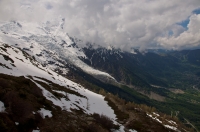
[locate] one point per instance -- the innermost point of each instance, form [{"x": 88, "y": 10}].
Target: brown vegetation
[
  {"x": 105, "y": 121},
  {"x": 137, "y": 118},
  {"x": 21, "y": 97}
]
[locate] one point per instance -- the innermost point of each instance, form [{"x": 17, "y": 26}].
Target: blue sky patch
[
  {"x": 197, "y": 11},
  {"x": 170, "y": 33},
  {"x": 184, "y": 23}
]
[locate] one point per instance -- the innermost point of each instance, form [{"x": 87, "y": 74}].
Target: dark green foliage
[
  {"x": 198, "y": 74},
  {"x": 94, "y": 84}
]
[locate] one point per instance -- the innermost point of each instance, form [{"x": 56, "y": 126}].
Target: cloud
[
  {"x": 186, "y": 39},
  {"x": 122, "y": 23}
]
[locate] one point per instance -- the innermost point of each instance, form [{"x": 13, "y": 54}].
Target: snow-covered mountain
[
  {"x": 50, "y": 45},
  {"x": 16, "y": 62},
  {"x": 61, "y": 93},
  {"x": 42, "y": 56}
]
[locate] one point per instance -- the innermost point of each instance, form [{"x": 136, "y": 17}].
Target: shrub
[
  {"x": 105, "y": 121},
  {"x": 137, "y": 125},
  {"x": 3, "y": 127},
  {"x": 30, "y": 123},
  {"x": 120, "y": 114},
  {"x": 92, "y": 128},
  {"x": 18, "y": 107},
  {"x": 4, "y": 83},
  {"x": 22, "y": 95}
]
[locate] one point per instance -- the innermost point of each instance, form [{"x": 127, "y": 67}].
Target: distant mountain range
[{"x": 146, "y": 69}]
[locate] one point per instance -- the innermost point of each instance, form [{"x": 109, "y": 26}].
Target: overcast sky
[{"x": 170, "y": 24}]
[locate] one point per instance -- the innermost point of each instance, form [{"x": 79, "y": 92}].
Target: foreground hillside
[
  {"x": 74, "y": 96},
  {"x": 33, "y": 97}
]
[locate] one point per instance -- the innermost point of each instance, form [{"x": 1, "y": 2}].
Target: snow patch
[
  {"x": 17, "y": 123},
  {"x": 36, "y": 131},
  {"x": 131, "y": 130},
  {"x": 171, "y": 127},
  {"x": 2, "y": 107},
  {"x": 172, "y": 122},
  {"x": 44, "y": 113},
  {"x": 60, "y": 92},
  {"x": 156, "y": 114},
  {"x": 155, "y": 118},
  {"x": 37, "y": 79},
  {"x": 121, "y": 129}
]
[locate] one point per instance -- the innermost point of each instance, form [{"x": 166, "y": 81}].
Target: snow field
[{"x": 24, "y": 67}]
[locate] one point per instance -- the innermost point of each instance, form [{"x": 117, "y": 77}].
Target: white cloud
[
  {"x": 122, "y": 23},
  {"x": 186, "y": 39}
]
